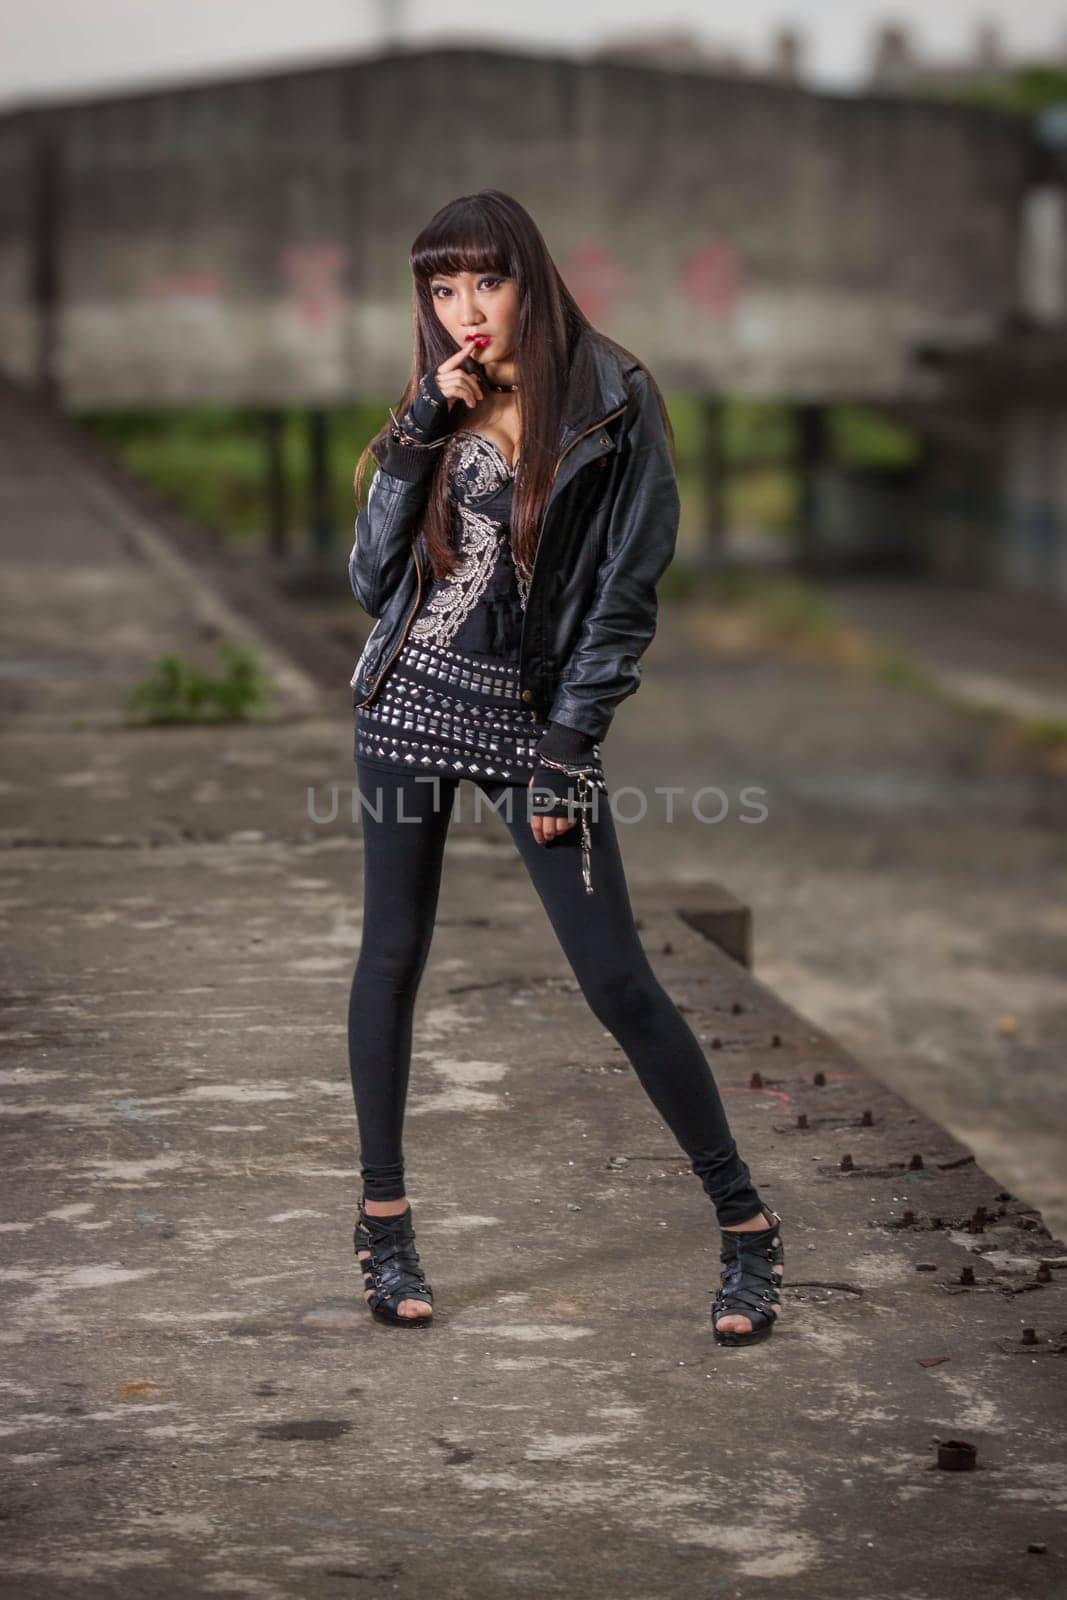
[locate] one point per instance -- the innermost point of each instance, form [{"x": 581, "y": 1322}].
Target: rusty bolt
[
  {"x": 955, "y": 1455},
  {"x": 1029, "y": 1336},
  {"x": 846, "y": 1164},
  {"x": 819, "y": 1080},
  {"x": 916, "y": 1163},
  {"x": 756, "y": 1081},
  {"x": 967, "y": 1275},
  {"x": 802, "y": 1119},
  {"x": 866, "y": 1121}
]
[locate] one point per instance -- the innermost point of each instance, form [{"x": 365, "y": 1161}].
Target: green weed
[{"x": 177, "y": 690}]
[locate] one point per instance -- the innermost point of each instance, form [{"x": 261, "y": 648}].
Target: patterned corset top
[
  {"x": 451, "y": 701},
  {"x": 479, "y": 608}
]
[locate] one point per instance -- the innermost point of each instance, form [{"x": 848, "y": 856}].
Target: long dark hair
[{"x": 490, "y": 232}]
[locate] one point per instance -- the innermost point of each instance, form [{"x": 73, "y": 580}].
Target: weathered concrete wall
[
  {"x": 248, "y": 241},
  {"x": 17, "y": 320},
  {"x": 1033, "y": 553}
]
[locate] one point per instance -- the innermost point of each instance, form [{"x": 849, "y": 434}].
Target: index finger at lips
[{"x": 456, "y": 359}]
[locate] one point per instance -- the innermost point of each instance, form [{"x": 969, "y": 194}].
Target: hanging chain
[{"x": 585, "y": 802}]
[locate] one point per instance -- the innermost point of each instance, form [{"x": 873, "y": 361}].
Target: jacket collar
[{"x": 596, "y": 386}]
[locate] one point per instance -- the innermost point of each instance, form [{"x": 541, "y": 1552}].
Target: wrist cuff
[
  {"x": 427, "y": 416},
  {"x": 565, "y": 744},
  {"x": 406, "y": 461}
]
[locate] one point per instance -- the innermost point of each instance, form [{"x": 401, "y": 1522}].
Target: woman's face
[{"x": 478, "y": 304}]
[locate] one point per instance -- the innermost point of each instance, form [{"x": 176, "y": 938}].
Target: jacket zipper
[
  {"x": 418, "y": 566},
  {"x": 366, "y": 647},
  {"x": 540, "y": 538}
]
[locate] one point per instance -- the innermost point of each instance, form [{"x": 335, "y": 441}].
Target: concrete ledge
[{"x": 710, "y": 909}]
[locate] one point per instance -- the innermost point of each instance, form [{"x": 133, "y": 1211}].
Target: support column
[
  {"x": 277, "y": 498},
  {"x": 712, "y": 472},
  {"x": 319, "y": 507},
  {"x": 812, "y": 435},
  {"x": 45, "y": 200}
]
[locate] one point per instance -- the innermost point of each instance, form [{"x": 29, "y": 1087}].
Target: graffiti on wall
[
  {"x": 192, "y": 285},
  {"x": 313, "y": 273},
  {"x": 594, "y": 278},
  {"x": 709, "y": 277}
]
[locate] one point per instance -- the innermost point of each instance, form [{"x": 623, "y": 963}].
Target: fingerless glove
[
  {"x": 569, "y": 745},
  {"x": 407, "y": 451},
  {"x": 426, "y": 418}
]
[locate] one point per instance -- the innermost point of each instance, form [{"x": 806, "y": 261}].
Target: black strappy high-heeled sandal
[
  {"x": 750, "y": 1286},
  {"x": 392, "y": 1271}
]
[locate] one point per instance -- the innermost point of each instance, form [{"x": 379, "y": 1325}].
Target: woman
[{"x": 524, "y": 506}]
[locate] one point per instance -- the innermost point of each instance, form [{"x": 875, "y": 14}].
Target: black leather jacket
[{"x": 609, "y": 532}]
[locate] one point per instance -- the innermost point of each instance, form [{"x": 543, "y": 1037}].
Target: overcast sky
[{"x": 53, "y": 47}]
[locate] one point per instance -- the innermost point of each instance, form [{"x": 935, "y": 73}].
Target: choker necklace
[{"x": 501, "y": 388}]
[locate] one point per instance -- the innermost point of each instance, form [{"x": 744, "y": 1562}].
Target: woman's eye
[{"x": 442, "y": 288}]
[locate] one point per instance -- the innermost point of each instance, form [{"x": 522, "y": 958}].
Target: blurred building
[
  {"x": 897, "y": 63},
  {"x": 1007, "y": 450},
  {"x": 684, "y": 50},
  {"x": 245, "y": 243},
  {"x": 1010, "y": 387}
]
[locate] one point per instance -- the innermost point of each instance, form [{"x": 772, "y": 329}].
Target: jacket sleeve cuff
[
  {"x": 407, "y": 461},
  {"x": 565, "y": 744}
]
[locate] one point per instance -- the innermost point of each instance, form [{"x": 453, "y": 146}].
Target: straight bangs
[{"x": 471, "y": 242}]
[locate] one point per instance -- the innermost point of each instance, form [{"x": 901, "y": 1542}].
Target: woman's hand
[
  {"x": 573, "y": 748},
  {"x": 425, "y": 422},
  {"x": 547, "y": 827},
  {"x": 456, "y": 384}
]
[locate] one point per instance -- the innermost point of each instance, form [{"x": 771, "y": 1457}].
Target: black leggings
[{"x": 402, "y": 864}]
